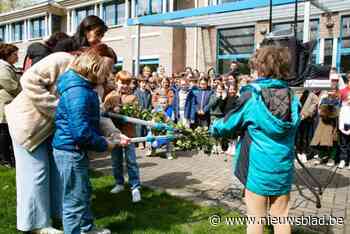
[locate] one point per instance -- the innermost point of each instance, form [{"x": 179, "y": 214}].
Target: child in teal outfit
[{"x": 266, "y": 119}]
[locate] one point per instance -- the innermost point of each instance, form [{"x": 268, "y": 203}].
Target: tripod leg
[
  {"x": 318, "y": 184},
  {"x": 312, "y": 190}
]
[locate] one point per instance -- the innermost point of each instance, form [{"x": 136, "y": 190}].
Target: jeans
[
  {"x": 6, "y": 151},
  {"x": 37, "y": 187},
  {"x": 76, "y": 190},
  {"x": 344, "y": 147},
  {"x": 133, "y": 167}
]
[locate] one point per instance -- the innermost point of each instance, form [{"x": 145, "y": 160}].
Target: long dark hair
[
  {"x": 79, "y": 40},
  {"x": 55, "y": 38},
  {"x": 89, "y": 23}
]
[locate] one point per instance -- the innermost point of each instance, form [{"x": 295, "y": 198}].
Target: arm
[
  {"x": 213, "y": 101},
  {"x": 38, "y": 81},
  {"x": 234, "y": 120},
  {"x": 311, "y": 108},
  {"x": 77, "y": 103},
  {"x": 9, "y": 82},
  {"x": 207, "y": 105}
]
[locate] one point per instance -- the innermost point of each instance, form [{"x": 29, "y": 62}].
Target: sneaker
[
  {"x": 341, "y": 164},
  {"x": 170, "y": 155},
  {"x": 316, "y": 156},
  {"x": 117, "y": 189},
  {"x": 136, "y": 195},
  {"x": 331, "y": 163},
  {"x": 48, "y": 230},
  {"x": 150, "y": 152},
  {"x": 302, "y": 158},
  {"x": 317, "y": 161},
  {"x": 98, "y": 231}
]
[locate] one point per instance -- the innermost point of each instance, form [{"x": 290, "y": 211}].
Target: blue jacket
[
  {"x": 144, "y": 98},
  {"x": 266, "y": 118},
  {"x": 189, "y": 107},
  {"x": 77, "y": 115},
  {"x": 201, "y": 101}
]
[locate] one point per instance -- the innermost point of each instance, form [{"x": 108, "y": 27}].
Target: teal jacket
[{"x": 266, "y": 119}]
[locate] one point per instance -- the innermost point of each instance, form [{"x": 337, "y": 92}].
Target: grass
[{"x": 157, "y": 213}]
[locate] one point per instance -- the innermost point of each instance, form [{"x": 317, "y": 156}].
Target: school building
[{"x": 179, "y": 33}]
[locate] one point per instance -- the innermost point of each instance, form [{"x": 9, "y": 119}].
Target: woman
[
  {"x": 266, "y": 118},
  {"x": 31, "y": 122},
  {"x": 89, "y": 33},
  {"x": 39, "y": 50},
  {"x": 9, "y": 88}
]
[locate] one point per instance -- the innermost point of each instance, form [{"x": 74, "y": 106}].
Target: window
[
  {"x": 345, "y": 45},
  {"x": 2, "y": 33},
  {"x": 148, "y": 7},
  {"x": 37, "y": 27},
  {"x": 152, "y": 63},
  {"x": 56, "y": 23},
  {"x": 81, "y": 13},
  {"x": 114, "y": 12},
  {"x": 235, "y": 44},
  {"x": 288, "y": 26},
  {"x": 215, "y": 2},
  {"x": 227, "y": 1},
  {"x": 17, "y": 31},
  {"x": 328, "y": 51},
  {"x": 118, "y": 66}
]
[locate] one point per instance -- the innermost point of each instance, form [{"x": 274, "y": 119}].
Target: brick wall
[{"x": 331, "y": 32}]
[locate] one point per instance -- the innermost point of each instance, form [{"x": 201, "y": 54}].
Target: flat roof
[{"x": 238, "y": 12}]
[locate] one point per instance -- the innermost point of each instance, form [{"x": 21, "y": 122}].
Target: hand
[{"x": 124, "y": 140}]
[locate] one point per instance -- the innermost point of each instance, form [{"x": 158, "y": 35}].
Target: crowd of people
[
  {"x": 51, "y": 118},
  {"x": 324, "y": 130}
]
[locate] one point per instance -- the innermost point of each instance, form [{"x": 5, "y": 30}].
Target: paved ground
[{"x": 209, "y": 180}]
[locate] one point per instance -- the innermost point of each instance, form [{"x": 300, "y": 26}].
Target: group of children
[{"x": 324, "y": 130}]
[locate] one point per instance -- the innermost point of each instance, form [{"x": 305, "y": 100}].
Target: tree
[{"x": 10, "y": 5}]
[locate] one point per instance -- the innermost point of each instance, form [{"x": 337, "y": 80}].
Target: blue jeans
[
  {"x": 76, "y": 190},
  {"x": 133, "y": 167},
  {"x": 37, "y": 187}
]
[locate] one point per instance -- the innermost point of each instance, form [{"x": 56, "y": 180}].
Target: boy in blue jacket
[
  {"x": 77, "y": 132},
  {"x": 201, "y": 103}
]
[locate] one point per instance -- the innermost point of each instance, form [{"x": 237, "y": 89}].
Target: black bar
[
  {"x": 270, "y": 23},
  {"x": 296, "y": 20}
]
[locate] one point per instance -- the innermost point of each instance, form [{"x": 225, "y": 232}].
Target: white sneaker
[
  {"x": 117, "y": 189},
  {"x": 48, "y": 230},
  {"x": 341, "y": 164},
  {"x": 136, "y": 195},
  {"x": 317, "y": 161},
  {"x": 316, "y": 156},
  {"x": 170, "y": 155},
  {"x": 330, "y": 163},
  {"x": 98, "y": 231},
  {"x": 302, "y": 158}
]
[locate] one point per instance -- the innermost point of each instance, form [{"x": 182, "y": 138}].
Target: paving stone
[{"x": 209, "y": 180}]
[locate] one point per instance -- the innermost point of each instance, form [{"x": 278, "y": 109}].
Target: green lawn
[{"x": 158, "y": 213}]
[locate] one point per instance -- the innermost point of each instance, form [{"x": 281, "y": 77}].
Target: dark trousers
[
  {"x": 304, "y": 136},
  {"x": 344, "y": 147},
  {"x": 6, "y": 150}
]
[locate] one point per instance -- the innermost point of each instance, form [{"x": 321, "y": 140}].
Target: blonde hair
[
  {"x": 92, "y": 67},
  {"x": 123, "y": 76}
]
